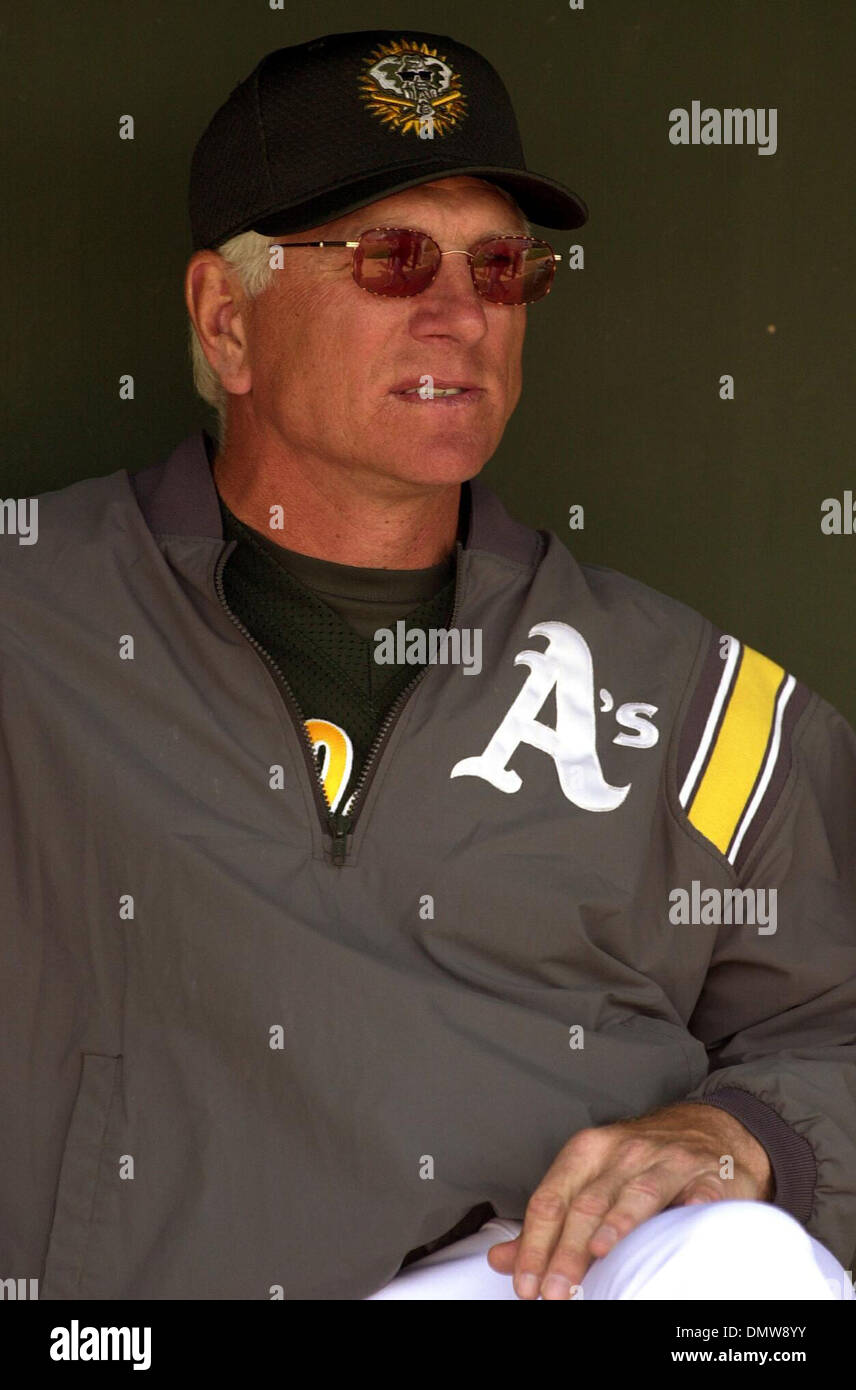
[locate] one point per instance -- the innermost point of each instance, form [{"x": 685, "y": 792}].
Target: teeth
[{"x": 438, "y": 391}]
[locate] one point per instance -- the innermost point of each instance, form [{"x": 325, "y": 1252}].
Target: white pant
[{"x": 719, "y": 1250}]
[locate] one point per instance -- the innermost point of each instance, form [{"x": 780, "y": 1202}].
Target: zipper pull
[{"x": 340, "y": 830}]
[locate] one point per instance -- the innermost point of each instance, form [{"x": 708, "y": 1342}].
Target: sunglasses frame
[{"x": 471, "y": 254}]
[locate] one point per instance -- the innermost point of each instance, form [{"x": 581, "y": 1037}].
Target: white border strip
[
  {"x": 712, "y": 720},
  {"x": 784, "y": 695}
]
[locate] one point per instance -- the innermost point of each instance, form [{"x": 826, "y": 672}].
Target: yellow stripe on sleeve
[{"x": 735, "y": 762}]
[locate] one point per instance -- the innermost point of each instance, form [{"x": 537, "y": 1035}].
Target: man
[{"x": 334, "y": 962}]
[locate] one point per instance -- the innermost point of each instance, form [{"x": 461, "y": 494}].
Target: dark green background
[{"x": 691, "y": 254}]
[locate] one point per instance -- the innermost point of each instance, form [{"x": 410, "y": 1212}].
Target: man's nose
[
  {"x": 465, "y": 275},
  {"x": 451, "y": 292}
]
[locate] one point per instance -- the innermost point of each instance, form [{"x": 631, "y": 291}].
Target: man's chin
[
  {"x": 437, "y": 467},
  {"x": 433, "y": 455}
]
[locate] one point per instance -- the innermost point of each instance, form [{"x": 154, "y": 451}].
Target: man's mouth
[{"x": 438, "y": 393}]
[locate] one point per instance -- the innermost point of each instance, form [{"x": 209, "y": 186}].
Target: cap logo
[{"x": 412, "y": 89}]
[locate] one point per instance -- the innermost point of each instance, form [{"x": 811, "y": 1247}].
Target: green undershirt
[{"x": 316, "y": 619}]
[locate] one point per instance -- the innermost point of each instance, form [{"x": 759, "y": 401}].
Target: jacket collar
[{"x": 178, "y": 498}]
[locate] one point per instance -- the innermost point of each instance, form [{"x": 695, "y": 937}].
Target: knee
[{"x": 755, "y": 1230}]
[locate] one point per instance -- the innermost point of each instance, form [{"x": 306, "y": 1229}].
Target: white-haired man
[{"x": 368, "y": 958}]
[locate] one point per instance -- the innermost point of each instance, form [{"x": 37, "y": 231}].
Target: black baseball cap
[{"x": 322, "y": 128}]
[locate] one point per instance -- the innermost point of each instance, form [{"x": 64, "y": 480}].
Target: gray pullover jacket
[{"x": 614, "y": 869}]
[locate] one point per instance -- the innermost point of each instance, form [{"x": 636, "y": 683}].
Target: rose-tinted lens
[
  {"x": 395, "y": 261},
  {"x": 513, "y": 270}
]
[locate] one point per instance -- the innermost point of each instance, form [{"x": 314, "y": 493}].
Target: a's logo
[
  {"x": 566, "y": 665},
  {"x": 412, "y": 89}
]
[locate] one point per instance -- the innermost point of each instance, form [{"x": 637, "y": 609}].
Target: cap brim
[{"x": 542, "y": 200}]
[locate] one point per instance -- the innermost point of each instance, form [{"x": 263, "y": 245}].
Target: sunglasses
[{"x": 402, "y": 261}]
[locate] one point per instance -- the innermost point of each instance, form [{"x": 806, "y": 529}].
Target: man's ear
[{"x": 219, "y": 310}]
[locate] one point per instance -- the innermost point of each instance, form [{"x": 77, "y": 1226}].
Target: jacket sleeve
[{"x": 777, "y": 1011}]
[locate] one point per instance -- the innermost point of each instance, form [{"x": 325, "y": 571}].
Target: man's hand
[{"x": 609, "y": 1179}]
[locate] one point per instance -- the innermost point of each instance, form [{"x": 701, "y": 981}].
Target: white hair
[{"x": 247, "y": 256}]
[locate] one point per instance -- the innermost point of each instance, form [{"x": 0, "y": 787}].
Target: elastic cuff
[{"x": 791, "y": 1156}]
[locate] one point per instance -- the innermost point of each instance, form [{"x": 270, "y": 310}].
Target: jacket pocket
[{"x": 77, "y": 1216}]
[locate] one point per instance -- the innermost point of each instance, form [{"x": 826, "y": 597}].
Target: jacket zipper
[
  {"x": 370, "y": 766},
  {"x": 322, "y": 801},
  {"x": 340, "y": 826}
]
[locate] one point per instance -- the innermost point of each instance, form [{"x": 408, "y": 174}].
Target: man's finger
[
  {"x": 601, "y": 1215},
  {"x": 553, "y": 1257},
  {"x": 588, "y": 1208},
  {"x": 578, "y": 1163},
  {"x": 625, "y": 1211},
  {"x": 545, "y": 1218},
  {"x": 641, "y": 1197},
  {"x": 706, "y": 1189},
  {"x": 502, "y": 1257}
]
